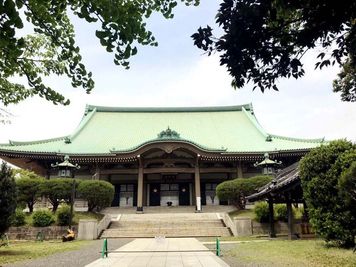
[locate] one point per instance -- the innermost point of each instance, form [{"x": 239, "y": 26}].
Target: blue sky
[{"x": 178, "y": 74}]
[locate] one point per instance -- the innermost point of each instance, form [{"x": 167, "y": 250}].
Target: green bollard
[
  {"x": 104, "y": 252},
  {"x": 217, "y": 247}
]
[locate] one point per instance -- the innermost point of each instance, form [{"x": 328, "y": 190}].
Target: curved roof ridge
[
  {"x": 169, "y": 109},
  {"x": 251, "y": 116},
  {"x": 88, "y": 114},
  {"x": 308, "y": 140},
  {"x": 41, "y": 141}
]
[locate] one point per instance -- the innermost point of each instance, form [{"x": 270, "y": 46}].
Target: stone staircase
[{"x": 168, "y": 225}]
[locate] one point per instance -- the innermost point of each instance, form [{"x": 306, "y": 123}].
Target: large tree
[
  {"x": 264, "y": 40},
  {"x": 327, "y": 175},
  {"x": 7, "y": 197},
  {"x": 52, "y": 48}
]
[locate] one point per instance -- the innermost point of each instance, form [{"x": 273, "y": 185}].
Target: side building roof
[{"x": 108, "y": 130}]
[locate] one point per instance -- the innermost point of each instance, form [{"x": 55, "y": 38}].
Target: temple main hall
[{"x": 161, "y": 156}]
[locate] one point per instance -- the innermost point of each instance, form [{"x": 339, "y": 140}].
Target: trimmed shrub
[
  {"x": 18, "y": 218},
  {"x": 235, "y": 191},
  {"x": 63, "y": 215},
  {"x": 42, "y": 218},
  {"x": 99, "y": 194},
  {"x": 57, "y": 189},
  {"x": 29, "y": 190},
  {"x": 261, "y": 212}
]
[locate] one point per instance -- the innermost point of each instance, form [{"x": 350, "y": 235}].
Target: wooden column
[
  {"x": 140, "y": 186},
  {"x": 290, "y": 218},
  {"x": 239, "y": 169},
  {"x": 272, "y": 232},
  {"x": 197, "y": 185}
]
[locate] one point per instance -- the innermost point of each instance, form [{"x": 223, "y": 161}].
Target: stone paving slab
[{"x": 161, "y": 252}]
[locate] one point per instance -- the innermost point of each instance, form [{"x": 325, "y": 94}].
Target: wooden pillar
[
  {"x": 239, "y": 169},
  {"x": 272, "y": 232},
  {"x": 290, "y": 218},
  {"x": 140, "y": 186},
  {"x": 96, "y": 176},
  {"x": 197, "y": 185}
]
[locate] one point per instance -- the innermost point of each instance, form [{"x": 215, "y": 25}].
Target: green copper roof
[{"x": 227, "y": 129}]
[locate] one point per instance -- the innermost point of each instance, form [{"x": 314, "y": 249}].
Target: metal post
[
  {"x": 217, "y": 247},
  {"x": 104, "y": 251}
]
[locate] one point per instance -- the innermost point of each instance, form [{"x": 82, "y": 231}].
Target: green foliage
[
  {"x": 347, "y": 185},
  {"x": 264, "y": 40},
  {"x": 280, "y": 212},
  {"x": 42, "y": 218},
  {"x": 29, "y": 188},
  {"x": 7, "y": 197},
  {"x": 63, "y": 215},
  {"x": 57, "y": 189},
  {"x": 18, "y": 218},
  {"x": 52, "y": 48},
  {"x": 333, "y": 218},
  {"x": 236, "y": 190},
  {"x": 99, "y": 194},
  {"x": 261, "y": 212}
]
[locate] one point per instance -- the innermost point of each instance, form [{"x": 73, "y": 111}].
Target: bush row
[
  {"x": 43, "y": 217},
  {"x": 261, "y": 211},
  {"x": 99, "y": 194}
]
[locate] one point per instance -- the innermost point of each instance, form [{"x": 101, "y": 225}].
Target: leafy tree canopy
[
  {"x": 56, "y": 190},
  {"x": 264, "y": 40},
  {"x": 8, "y": 195},
  {"x": 52, "y": 48},
  {"x": 332, "y": 212},
  {"x": 29, "y": 188}
]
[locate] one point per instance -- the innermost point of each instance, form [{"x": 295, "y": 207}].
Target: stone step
[
  {"x": 164, "y": 224},
  {"x": 115, "y": 233},
  {"x": 169, "y": 225}
]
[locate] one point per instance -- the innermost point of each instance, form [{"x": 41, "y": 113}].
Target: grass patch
[
  {"x": 78, "y": 215},
  {"x": 247, "y": 213},
  {"x": 311, "y": 253},
  {"x": 87, "y": 215},
  {"x": 27, "y": 250}
]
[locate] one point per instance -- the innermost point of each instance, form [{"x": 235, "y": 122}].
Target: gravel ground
[{"x": 75, "y": 258}]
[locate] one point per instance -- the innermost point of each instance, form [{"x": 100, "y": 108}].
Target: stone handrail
[
  {"x": 103, "y": 224},
  {"x": 229, "y": 223},
  {"x": 90, "y": 229}
]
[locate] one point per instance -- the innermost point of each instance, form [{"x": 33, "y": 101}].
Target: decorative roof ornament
[
  {"x": 65, "y": 164},
  {"x": 267, "y": 162},
  {"x": 67, "y": 140},
  {"x": 168, "y": 134}
]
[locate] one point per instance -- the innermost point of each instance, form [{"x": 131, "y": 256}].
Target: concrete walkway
[{"x": 161, "y": 252}]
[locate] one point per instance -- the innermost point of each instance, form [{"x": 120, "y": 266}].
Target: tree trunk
[{"x": 30, "y": 206}]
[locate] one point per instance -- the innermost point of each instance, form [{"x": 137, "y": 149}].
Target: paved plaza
[{"x": 161, "y": 252}]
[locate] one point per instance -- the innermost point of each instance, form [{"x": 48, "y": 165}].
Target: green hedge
[
  {"x": 235, "y": 191},
  {"x": 261, "y": 212},
  {"x": 99, "y": 194},
  {"x": 63, "y": 215},
  {"x": 18, "y": 218},
  {"x": 42, "y": 218}
]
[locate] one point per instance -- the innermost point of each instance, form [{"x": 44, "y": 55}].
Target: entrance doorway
[
  {"x": 184, "y": 194},
  {"x": 155, "y": 194}
]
